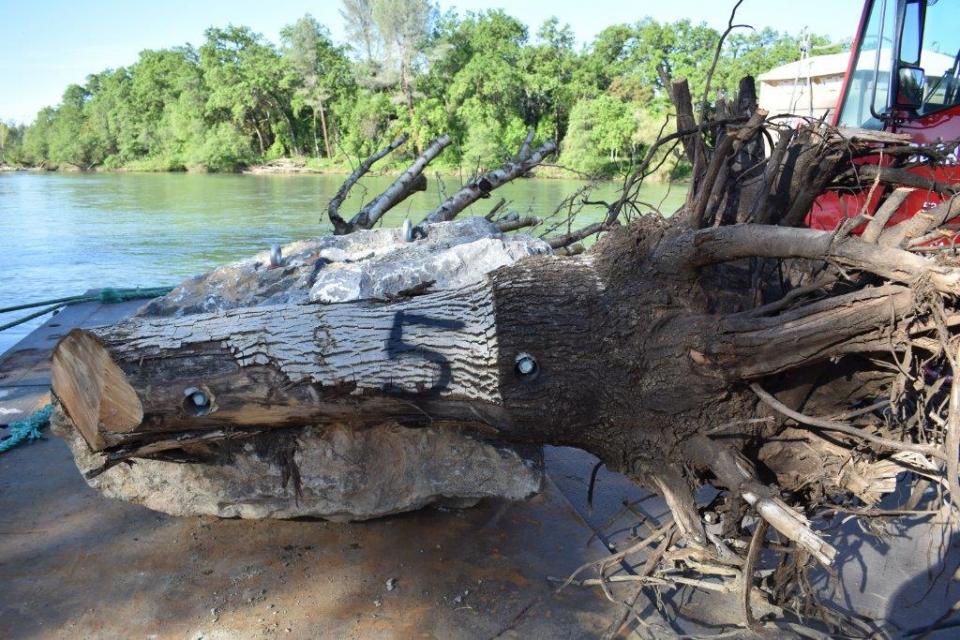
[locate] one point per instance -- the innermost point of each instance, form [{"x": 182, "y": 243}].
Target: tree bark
[
  {"x": 316, "y": 144},
  {"x": 323, "y": 125},
  {"x": 567, "y": 351},
  {"x": 282, "y": 366}
]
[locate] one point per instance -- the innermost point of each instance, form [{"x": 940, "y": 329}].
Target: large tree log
[
  {"x": 677, "y": 354},
  {"x": 318, "y": 469},
  {"x": 558, "y": 350},
  {"x": 283, "y": 366}
]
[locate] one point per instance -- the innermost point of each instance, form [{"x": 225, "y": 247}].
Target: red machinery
[{"x": 903, "y": 77}]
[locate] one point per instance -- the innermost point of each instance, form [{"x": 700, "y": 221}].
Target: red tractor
[{"x": 903, "y": 77}]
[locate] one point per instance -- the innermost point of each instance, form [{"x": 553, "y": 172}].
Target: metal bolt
[
  {"x": 197, "y": 402},
  {"x": 526, "y": 365}
]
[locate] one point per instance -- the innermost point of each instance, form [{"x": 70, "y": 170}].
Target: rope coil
[{"x": 26, "y": 430}]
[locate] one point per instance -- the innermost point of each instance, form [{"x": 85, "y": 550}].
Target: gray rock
[
  {"x": 344, "y": 474},
  {"x": 408, "y": 266},
  {"x": 376, "y": 263}
]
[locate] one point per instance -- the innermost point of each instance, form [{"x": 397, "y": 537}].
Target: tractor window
[
  {"x": 939, "y": 55},
  {"x": 910, "y": 40},
  {"x": 869, "y": 85}
]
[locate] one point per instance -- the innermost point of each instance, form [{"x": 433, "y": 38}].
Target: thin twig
[
  {"x": 746, "y": 576},
  {"x": 894, "y": 445},
  {"x": 716, "y": 57}
]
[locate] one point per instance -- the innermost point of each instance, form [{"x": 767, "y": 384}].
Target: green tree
[
  {"x": 601, "y": 130},
  {"x": 163, "y": 81},
  {"x": 404, "y": 25},
  {"x": 11, "y": 141},
  {"x": 250, "y": 85},
  {"x": 549, "y": 70},
  {"x": 480, "y": 77},
  {"x": 322, "y": 71}
]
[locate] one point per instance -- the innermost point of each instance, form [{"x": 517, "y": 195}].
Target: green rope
[
  {"x": 106, "y": 296},
  {"x": 26, "y": 430},
  {"x": 42, "y": 303},
  {"x": 30, "y": 316},
  {"x": 112, "y": 296}
]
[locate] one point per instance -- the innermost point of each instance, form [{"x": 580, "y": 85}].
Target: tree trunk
[
  {"x": 567, "y": 351},
  {"x": 326, "y": 134},
  {"x": 259, "y": 139},
  {"x": 282, "y": 366},
  {"x": 405, "y": 83},
  {"x": 693, "y": 349}
]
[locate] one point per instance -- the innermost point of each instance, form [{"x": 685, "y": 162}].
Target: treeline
[{"x": 239, "y": 99}]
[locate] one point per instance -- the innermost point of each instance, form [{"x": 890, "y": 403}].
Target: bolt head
[{"x": 526, "y": 365}]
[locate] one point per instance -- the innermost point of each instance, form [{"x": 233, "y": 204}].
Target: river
[{"x": 62, "y": 234}]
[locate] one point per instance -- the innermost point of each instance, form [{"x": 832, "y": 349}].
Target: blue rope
[{"x": 26, "y": 430}]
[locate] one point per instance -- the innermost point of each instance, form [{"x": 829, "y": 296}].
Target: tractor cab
[{"x": 903, "y": 77}]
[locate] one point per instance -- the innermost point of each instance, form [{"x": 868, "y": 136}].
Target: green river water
[{"x": 62, "y": 234}]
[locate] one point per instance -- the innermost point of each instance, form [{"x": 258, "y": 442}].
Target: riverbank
[{"x": 310, "y": 166}]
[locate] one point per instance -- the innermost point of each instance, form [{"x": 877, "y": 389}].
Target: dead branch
[
  {"x": 951, "y": 443},
  {"x": 883, "y": 214},
  {"x": 519, "y": 223},
  {"x": 736, "y": 473},
  {"x": 406, "y": 184},
  {"x": 570, "y": 250},
  {"x": 920, "y": 224},
  {"x": 728, "y": 147},
  {"x": 746, "y": 577},
  {"x": 568, "y": 239},
  {"x": 658, "y": 534},
  {"x": 832, "y": 425},
  {"x": 524, "y": 151},
  {"x": 501, "y": 203},
  {"x": 483, "y": 185},
  {"x": 895, "y": 176},
  {"x": 716, "y": 57},
  {"x": 692, "y": 144},
  {"x": 341, "y": 226},
  {"x": 725, "y": 244}
]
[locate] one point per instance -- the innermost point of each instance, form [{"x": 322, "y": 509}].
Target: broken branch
[{"x": 341, "y": 226}]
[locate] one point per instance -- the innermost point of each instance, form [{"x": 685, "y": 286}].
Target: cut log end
[{"x": 92, "y": 389}]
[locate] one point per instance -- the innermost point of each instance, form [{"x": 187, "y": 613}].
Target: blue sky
[{"x": 47, "y": 44}]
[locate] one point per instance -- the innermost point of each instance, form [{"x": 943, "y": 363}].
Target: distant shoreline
[{"x": 297, "y": 166}]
